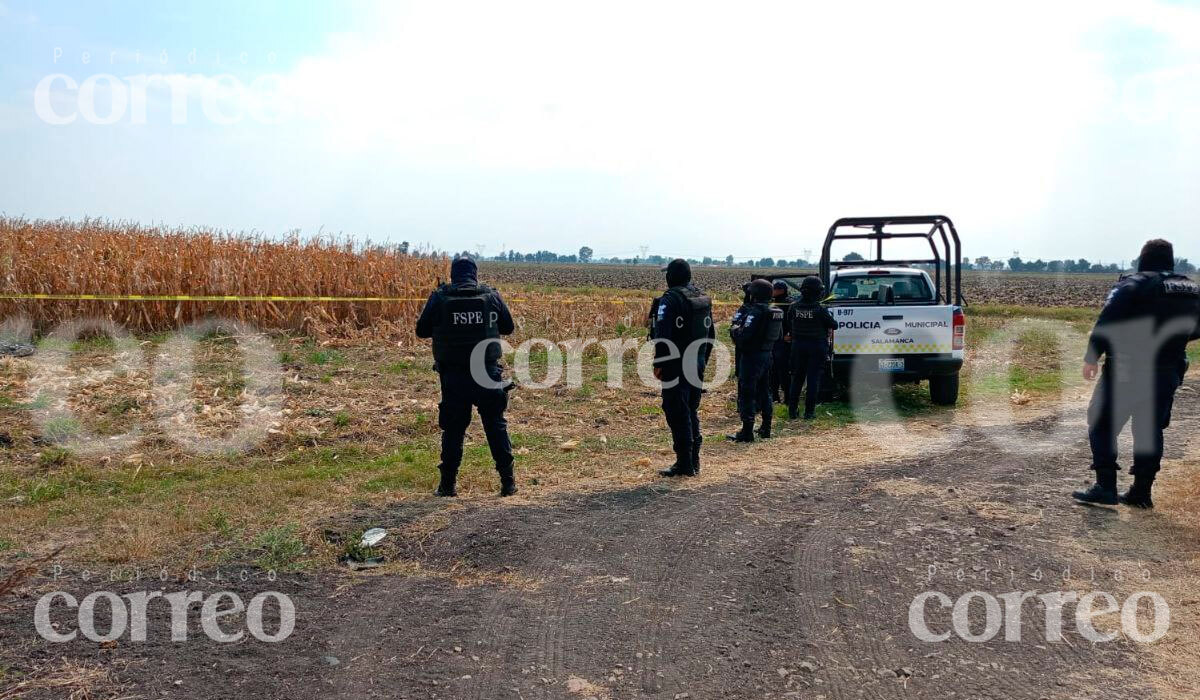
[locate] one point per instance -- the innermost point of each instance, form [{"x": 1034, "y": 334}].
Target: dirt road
[{"x": 772, "y": 583}]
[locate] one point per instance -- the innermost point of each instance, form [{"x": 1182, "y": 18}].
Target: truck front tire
[{"x": 943, "y": 390}]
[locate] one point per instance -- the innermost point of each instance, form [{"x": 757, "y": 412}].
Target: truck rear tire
[{"x": 943, "y": 390}]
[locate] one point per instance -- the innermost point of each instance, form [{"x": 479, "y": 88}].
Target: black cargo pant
[
  {"x": 461, "y": 393},
  {"x": 754, "y": 386},
  {"x": 808, "y": 359},
  {"x": 781, "y": 370},
  {"x": 1147, "y": 402},
  {"x": 681, "y": 408}
]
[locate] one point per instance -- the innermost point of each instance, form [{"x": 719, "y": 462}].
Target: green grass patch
[
  {"x": 45, "y": 492},
  {"x": 326, "y": 357},
  {"x": 1018, "y": 379},
  {"x": 95, "y": 343},
  {"x": 400, "y": 367},
  {"x": 54, "y": 457},
  {"x": 1046, "y": 312},
  {"x": 11, "y": 404},
  {"x": 354, "y": 550},
  {"x": 61, "y": 429},
  {"x": 121, "y": 406},
  {"x": 280, "y": 549}
]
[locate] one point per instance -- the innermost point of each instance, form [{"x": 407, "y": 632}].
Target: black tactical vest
[
  {"x": 808, "y": 321},
  {"x": 468, "y": 317},
  {"x": 772, "y": 330},
  {"x": 1176, "y": 301},
  {"x": 697, "y": 319}
]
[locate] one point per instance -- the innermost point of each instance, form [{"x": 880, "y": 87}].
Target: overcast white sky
[{"x": 1061, "y": 129}]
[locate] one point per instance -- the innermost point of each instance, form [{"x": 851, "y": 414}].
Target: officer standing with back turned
[
  {"x": 459, "y": 317},
  {"x": 781, "y": 371},
  {"x": 735, "y": 324},
  {"x": 811, "y": 327},
  {"x": 683, "y": 320},
  {"x": 1142, "y": 333},
  {"x": 755, "y": 339}
]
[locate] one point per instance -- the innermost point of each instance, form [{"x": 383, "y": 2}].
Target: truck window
[{"x": 871, "y": 288}]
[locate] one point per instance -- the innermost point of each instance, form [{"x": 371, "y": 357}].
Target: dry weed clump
[
  {"x": 70, "y": 680},
  {"x": 114, "y": 258}
]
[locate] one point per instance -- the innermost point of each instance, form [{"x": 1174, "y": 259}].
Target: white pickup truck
[{"x": 896, "y": 322}]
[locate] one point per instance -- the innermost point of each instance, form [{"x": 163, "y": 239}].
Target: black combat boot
[
  {"x": 696, "y": 457},
  {"x": 1103, "y": 492},
  {"x": 765, "y": 431},
  {"x": 746, "y": 434},
  {"x": 1138, "y": 495},
  {"x": 678, "y": 469},
  {"x": 445, "y": 487},
  {"x": 508, "y": 482},
  {"x": 793, "y": 412}
]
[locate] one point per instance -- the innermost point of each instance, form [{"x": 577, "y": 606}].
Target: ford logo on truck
[{"x": 893, "y": 331}]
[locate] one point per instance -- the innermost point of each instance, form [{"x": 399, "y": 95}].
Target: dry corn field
[
  {"x": 551, "y": 301},
  {"x": 102, "y": 258}
]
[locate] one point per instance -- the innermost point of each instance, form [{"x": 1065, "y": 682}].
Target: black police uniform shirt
[
  {"x": 1144, "y": 309},
  {"x": 810, "y": 321}
]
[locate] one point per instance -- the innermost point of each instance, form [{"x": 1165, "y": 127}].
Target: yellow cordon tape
[{"x": 187, "y": 297}]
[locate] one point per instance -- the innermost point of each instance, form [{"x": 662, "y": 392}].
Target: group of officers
[{"x": 782, "y": 345}]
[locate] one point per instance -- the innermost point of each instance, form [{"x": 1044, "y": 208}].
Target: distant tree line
[{"x": 1013, "y": 264}]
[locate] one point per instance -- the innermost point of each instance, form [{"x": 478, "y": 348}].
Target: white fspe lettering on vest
[{"x": 466, "y": 318}]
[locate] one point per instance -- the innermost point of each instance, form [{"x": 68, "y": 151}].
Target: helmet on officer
[
  {"x": 811, "y": 288},
  {"x": 760, "y": 290}
]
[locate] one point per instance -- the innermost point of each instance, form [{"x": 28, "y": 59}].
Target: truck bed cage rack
[{"x": 946, "y": 260}]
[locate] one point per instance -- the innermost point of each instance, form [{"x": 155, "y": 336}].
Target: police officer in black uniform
[
  {"x": 683, "y": 320},
  {"x": 761, "y": 327},
  {"x": 1143, "y": 333},
  {"x": 812, "y": 327},
  {"x": 781, "y": 369},
  {"x": 461, "y": 316},
  {"x": 735, "y": 323}
]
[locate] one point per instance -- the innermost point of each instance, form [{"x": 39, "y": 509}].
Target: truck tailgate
[{"x": 887, "y": 330}]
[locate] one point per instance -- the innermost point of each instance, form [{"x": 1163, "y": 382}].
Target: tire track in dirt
[{"x": 733, "y": 581}]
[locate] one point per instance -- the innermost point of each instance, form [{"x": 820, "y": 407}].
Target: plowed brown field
[{"x": 979, "y": 287}]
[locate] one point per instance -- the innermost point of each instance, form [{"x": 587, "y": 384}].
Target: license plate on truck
[{"x": 891, "y": 365}]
